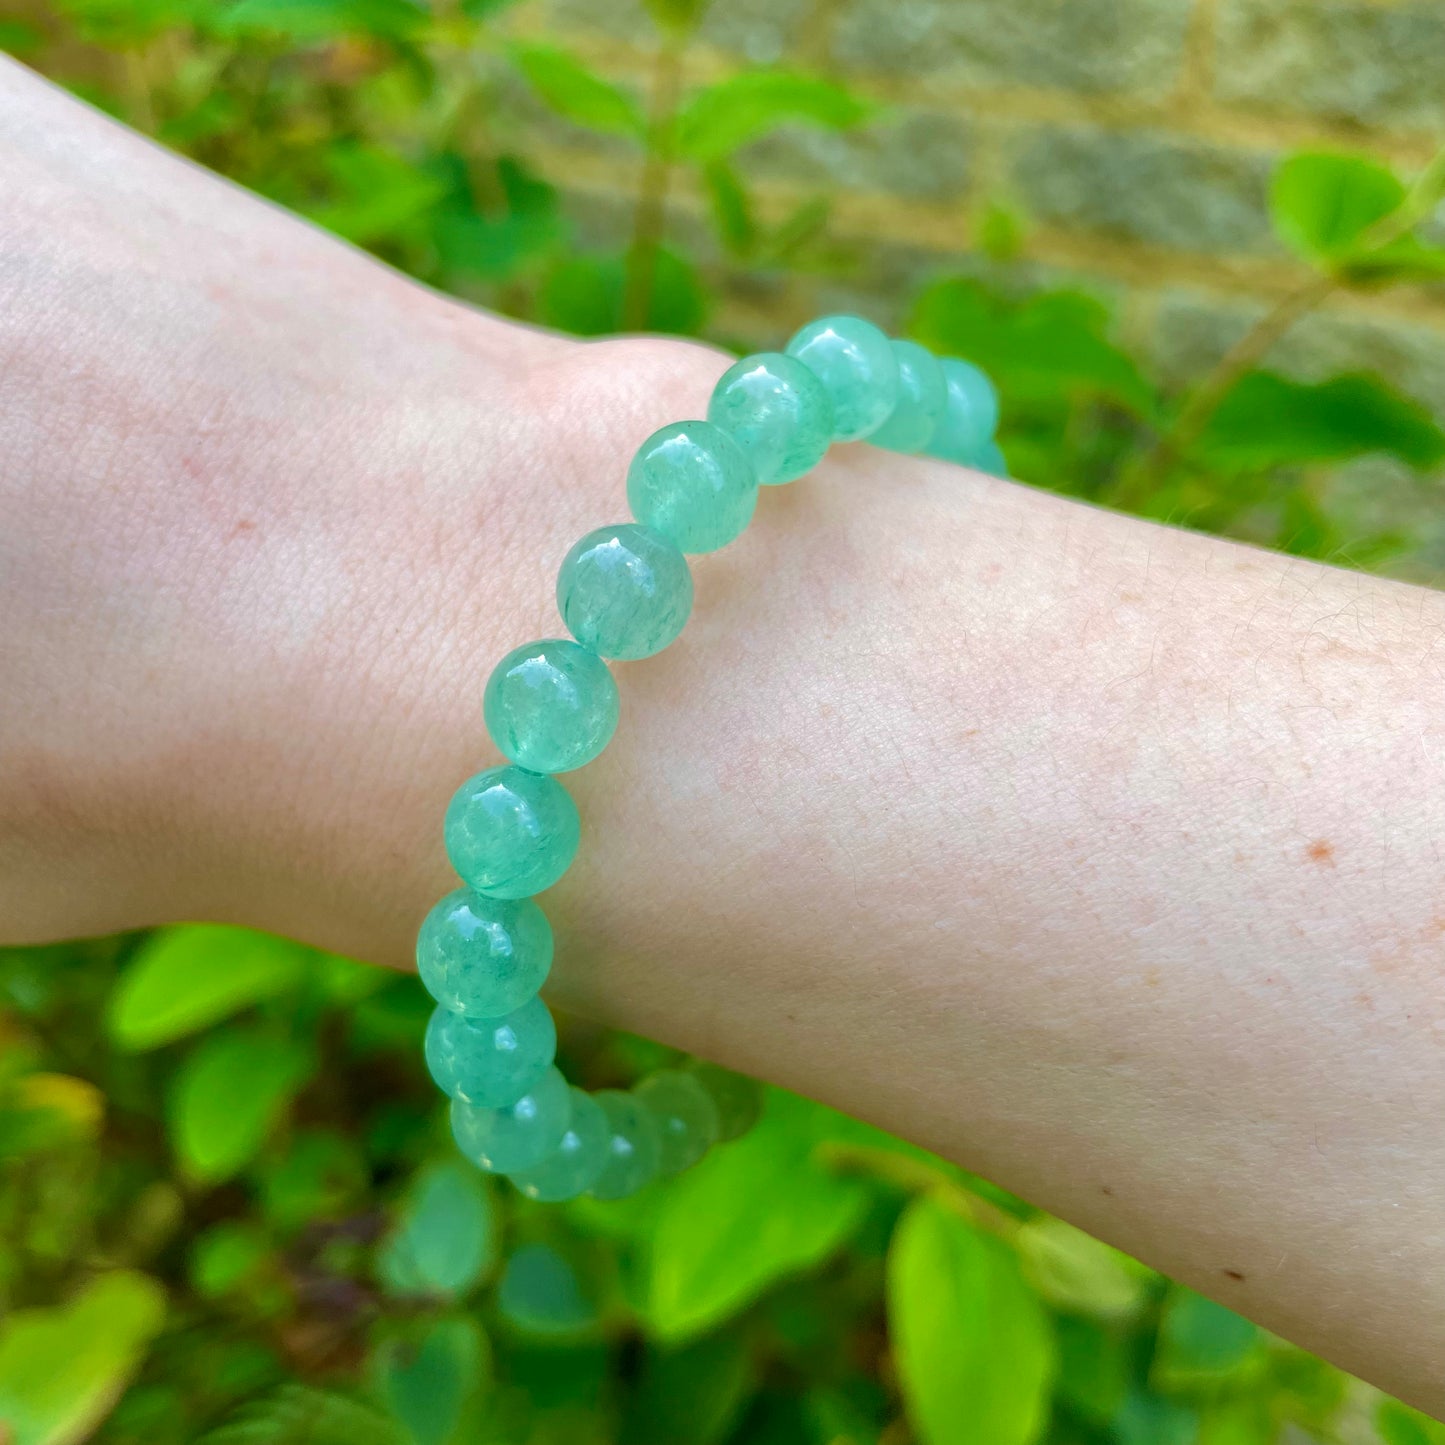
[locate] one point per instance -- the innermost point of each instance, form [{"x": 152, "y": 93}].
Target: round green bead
[
  {"x": 739, "y": 1099},
  {"x": 777, "y": 411},
  {"x": 491, "y": 1062},
  {"x": 686, "y": 1115},
  {"x": 503, "y": 1141},
  {"x": 856, "y": 364},
  {"x": 632, "y": 1149},
  {"x": 692, "y": 483},
  {"x": 482, "y": 956},
  {"x": 551, "y": 706},
  {"x": 511, "y": 833},
  {"x": 922, "y": 397},
  {"x": 970, "y": 416},
  {"x": 573, "y": 1166},
  {"x": 624, "y": 591}
]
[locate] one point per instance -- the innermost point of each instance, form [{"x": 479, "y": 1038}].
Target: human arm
[{"x": 1096, "y": 855}]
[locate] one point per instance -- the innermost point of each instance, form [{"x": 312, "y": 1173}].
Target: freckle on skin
[
  {"x": 1152, "y": 978},
  {"x": 242, "y": 527},
  {"x": 1233, "y": 1274},
  {"x": 1322, "y": 851}
]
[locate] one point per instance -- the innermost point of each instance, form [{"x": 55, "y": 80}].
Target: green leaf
[
  {"x": 677, "y": 16},
  {"x": 1323, "y": 204},
  {"x": 303, "y": 21},
  {"x": 123, "y": 24},
  {"x": 227, "y": 1096},
  {"x": 301, "y": 1415},
  {"x": 747, "y": 1216},
  {"x": 1001, "y": 231},
  {"x": 575, "y": 92},
  {"x": 445, "y": 1240},
  {"x": 184, "y": 979},
  {"x": 225, "y": 1256},
  {"x": 1074, "y": 1271},
  {"x": 974, "y": 1350},
  {"x": 540, "y": 1294},
  {"x": 1093, "y": 1378},
  {"x": 497, "y": 245},
  {"x": 691, "y": 1394},
  {"x": 376, "y": 195},
  {"x": 1238, "y": 1422},
  {"x": 1045, "y": 349},
  {"x": 62, "y": 1369},
  {"x": 1398, "y": 1424},
  {"x": 583, "y": 295},
  {"x": 19, "y": 38},
  {"x": 1202, "y": 1343},
  {"x": 1267, "y": 420},
  {"x": 426, "y": 1384},
  {"x": 1406, "y": 259},
  {"x": 1150, "y": 1420},
  {"x": 722, "y": 118},
  {"x": 803, "y": 225},
  {"x": 731, "y": 209},
  {"x": 319, "y": 1176}
]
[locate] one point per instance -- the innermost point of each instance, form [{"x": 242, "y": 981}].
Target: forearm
[{"x": 1096, "y": 855}]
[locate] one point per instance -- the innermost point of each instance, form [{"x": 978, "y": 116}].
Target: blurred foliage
[{"x": 231, "y": 1212}]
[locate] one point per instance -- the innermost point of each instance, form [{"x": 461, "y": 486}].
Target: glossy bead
[
  {"x": 511, "y": 833},
  {"x": 551, "y": 706},
  {"x": 686, "y": 1116},
  {"x": 855, "y": 363},
  {"x": 483, "y": 956},
  {"x": 624, "y": 591},
  {"x": 691, "y": 482},
  {"x": 503, "y": 1141},
  {"x": 922, "y": 396},
  {"x": 491, "y": 1062},
  {"x": 632, "y": 1148},
  {"x": 970, "y": 416},
  {"x": 739, "y": 1099},
  {"x": 777, "y": 411},
  {"x": 990, "y": 458},
  {"x": 573, "y": 1166}
]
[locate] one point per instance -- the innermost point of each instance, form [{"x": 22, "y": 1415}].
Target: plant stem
[
  {"x": 1176, "y": 439},
  {"x": 650, "y": 216}
]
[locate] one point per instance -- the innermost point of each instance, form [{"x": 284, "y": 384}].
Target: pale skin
[{"x": 1101, "y": 857}]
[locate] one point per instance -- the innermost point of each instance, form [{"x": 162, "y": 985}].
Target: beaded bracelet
[{"x": 625, "y": 592}]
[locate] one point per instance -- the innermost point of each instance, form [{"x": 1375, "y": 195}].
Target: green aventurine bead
[
  {"x": 483, "y": 956},
  {"x": 624, "y": 591},
  {"x": 990, "y": 458},
  {"x": 551, "y": 706},
  {"x": 632, "y": 1149},
  {"x": 922, "y": 396},
  {"x": 511, "y": 833},
  {"x": 686, "y": 1116},
  {"x": 692, "y": 482},
  {"x": 778, "y": 413},
  {"x": 855, "y": 363},
  {"x": 573, "y": 1166},
  {"x": 503, "y": 1141},
  {"x": 739, "y": 1099},
  {"x": 491, "y": 1062},
  {"x": 970, "y": 416}
]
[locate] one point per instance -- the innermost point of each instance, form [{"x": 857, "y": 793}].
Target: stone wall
[{"x": 1137, "y": 137}]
